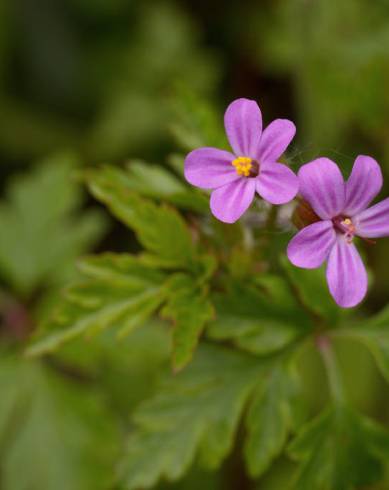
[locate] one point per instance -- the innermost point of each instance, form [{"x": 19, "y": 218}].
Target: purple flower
[
  {"x": 234, "y": 177},
  {"x": 342, "y": 208}
]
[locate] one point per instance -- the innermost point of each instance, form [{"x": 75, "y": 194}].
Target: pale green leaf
[
  {"x": 42, "y": 237},
  {"x": 157, "y": 182},
  {"x": 117, "y": 291}
]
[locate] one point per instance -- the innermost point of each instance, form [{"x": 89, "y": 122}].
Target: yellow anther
[
  {"x": 243, "y": 166},
  {"x": 347, "y": 222}
]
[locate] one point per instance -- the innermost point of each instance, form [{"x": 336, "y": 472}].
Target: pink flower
[
  {"x": 344, "y": 214},
  {"x": 252, "y": 167}
]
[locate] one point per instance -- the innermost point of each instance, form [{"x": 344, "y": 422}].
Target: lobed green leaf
[
  {"x": 195, "y": 414},
  {"x": 159, "y": 228},
  {"x": 118, "y": 292},
  {"x": 270, "y": 417},
  {"x": 190, "y": 309},
  {"x": 258, "y": 318},
  {"x": 340, "y": 450}
]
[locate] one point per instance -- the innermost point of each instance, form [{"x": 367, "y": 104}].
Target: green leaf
[
  {"x": 51, "y": 431},
  {"x": 176, "y": 163},
  {"x": 136, "y": 362},
  {"x": 117, "y": 291},
  {"x": 374, "y": 334},
  {"x": 196, "y": 123},
  {"x": 43, "y": 238},
  {"x": 270, "y": 417},
  {"x": 190, "y": 309},
  {"x": 157, "y": 182},
  {"x": 340, "y": 450},
  {"x": 312, "y": 290},
  {"x": 257, "y": 319},
  {"x": 160, "y": 229},
  {"x": 150, "y": 180},
  {"x": 195, "y": 414}
]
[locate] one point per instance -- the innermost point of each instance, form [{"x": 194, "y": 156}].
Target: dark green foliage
[
  {"x": 271, "y": 416},
  {"x": 190, "y": 309},
  {"x": 197, "y": 413},
  {"x": 254, "y": 318},
  {"x": 51, "y": 431},
  {"x": 374, "y": 333},
  {"x": 340, "y": 450}
]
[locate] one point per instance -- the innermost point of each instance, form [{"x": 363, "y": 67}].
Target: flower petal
[
  {"x": 229, "y": 202},
  {"x": 374, "y": 221},
  {"x": 363, "y": 185},
  {"x": 275, "y": 140},
  {"x": 312, "y": 245},
  {"x": 276, "y": 183},
  {"x": 243, "y": 123},
  {"x": 322, "y": 185},
  {"x": 210, "y": 168},
  {"x": 346, "y": 274}
]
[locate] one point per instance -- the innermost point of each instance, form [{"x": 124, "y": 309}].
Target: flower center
[
  {"x": 344, "y": 225},
  {"x": 246, "y": 166}
]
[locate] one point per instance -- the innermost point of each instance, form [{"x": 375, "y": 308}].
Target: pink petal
[
  {"x": 210, "y": 168},
  {"x": 311, "y": 246},
  {"x": 346, "y": 274},
  {"x": 363, "y": 185},
  {"x": 374, "y": 221},
  {"x": 276, "y": 183},
  {"x": 243, "y": 123},
  {"x": 229, "y": 202},
  {"x": 322, "y": 185},
  {"x": 275, "y": 140}
]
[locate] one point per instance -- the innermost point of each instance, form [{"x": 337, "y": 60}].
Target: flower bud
[{"x": 303, "y": 214}]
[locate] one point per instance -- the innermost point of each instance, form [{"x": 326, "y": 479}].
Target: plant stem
[{"x": 331, "y": 365}]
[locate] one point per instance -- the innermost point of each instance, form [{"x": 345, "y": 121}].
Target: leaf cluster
[{"x": 239, "y": 318}]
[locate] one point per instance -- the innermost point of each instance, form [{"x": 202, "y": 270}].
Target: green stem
[{"x": 331, "y": 365}]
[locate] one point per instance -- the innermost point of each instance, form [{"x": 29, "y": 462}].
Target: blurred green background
[{"x": 84, "y": 82}]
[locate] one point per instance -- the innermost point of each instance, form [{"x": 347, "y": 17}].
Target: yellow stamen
[
  {"x": 243, "y": 166},
  {"x": 350, "y": 229}
]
